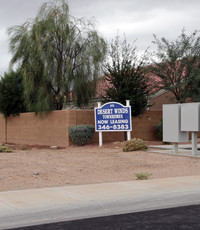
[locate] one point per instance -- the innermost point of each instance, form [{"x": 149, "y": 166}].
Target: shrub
[
  {"x": 23, "y": 148},
  {"x": 81, "y": 134},
  {"x": 11, "y": 94},
  {"x": 143, "y": 175},
  {"x": 135, "y": 144},
  {"x": 5, "y": 149},
  {"x": 159, "y": 130}
]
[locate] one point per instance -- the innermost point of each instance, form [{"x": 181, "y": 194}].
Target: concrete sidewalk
[
  {"x": 47, "y": 205},
  {"x": 183, "y": 150}
]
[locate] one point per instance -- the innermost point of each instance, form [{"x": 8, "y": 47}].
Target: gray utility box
[
  {"x": 190, "y": 117},
  {"x": 172, "y": 124}
]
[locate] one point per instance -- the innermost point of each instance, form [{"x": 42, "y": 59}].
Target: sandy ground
[{"x": 44, "y": 167}]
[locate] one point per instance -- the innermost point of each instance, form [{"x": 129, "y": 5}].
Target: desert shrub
[
  {"x": 159, "y": 130},
  {"x": 23, "y": 148},
  {"x": 5, "y": 149},
  {"x": 81, "y": 134},
  {"x": 143, "y": 175},
  {"x": 135, "y": 144}
]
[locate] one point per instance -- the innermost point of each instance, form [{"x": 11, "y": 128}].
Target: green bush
[
  {"x": 143, "y": 175},
  {"x": 11, "y": 94},
  {"x": 5, "y": 149},
  {"x": 135, "y": 144},
  {"x": 23, "y": 148},
  {"x": 81, "y": 134},
  {"x": 159, "y": 130}
]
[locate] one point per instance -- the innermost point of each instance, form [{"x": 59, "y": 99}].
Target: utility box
[
  {"x": 172, "y": 124},
  {"x": 190, "y": 113}
]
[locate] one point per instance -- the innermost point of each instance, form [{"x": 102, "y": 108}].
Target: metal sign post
[
  {"x": 113, "y": 117},
  {"x": 194, "y": 143}
]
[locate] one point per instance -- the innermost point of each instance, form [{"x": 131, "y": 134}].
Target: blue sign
[{"x": 113, "y": 116}]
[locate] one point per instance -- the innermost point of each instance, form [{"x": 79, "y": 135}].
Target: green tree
[
  {"x": 11, "y": 94},
  {"x": 52, "y": 50},
  {"x": 127, "y": 76},
  {"x": 177, "y": 65},
  {"x": 194, "y": 92}
]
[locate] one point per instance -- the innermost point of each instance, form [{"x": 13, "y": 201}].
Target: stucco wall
[{"x": 52, "y": 128}]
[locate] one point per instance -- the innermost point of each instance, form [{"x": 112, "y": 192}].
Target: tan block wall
[
  {"x": 30, "y": 129},
  {"x": 86, "y": 117},
  {"x": 52, "y": 129},
  {"x": 144, "y": 126},
  {"x": 2, "y": 129}
]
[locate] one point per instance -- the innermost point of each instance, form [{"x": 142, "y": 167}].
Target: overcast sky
[{"x": 138, "y": 19}]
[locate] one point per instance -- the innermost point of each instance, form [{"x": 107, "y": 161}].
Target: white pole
[
  {"x": 128, "y": 132},
  {"x": 100, "y": 133},
  {"x": 175, "y": 148},
  {"x": 194, "y": 143},
  {"x": 100, "y": 139}
]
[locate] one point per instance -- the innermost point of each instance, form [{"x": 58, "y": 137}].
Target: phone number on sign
[{"x": 112, "y": 127}]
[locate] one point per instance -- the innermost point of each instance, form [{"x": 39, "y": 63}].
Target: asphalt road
[{"x": 187, "y": 217}]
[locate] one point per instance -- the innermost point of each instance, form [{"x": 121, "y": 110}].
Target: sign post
[
  {"x": 113, "y": 117},
  {"x": 100, "y": 133},
  {"x": 128, "y": 132}
]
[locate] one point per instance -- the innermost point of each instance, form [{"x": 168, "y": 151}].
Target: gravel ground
[{"x": 43, "y": 167}]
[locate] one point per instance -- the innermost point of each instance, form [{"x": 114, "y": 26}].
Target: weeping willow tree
[{"x": 57, "y": 52}]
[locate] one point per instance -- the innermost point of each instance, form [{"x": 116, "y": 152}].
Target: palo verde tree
[
  {"x": 52, "y": 50},
  {"x": 11, "y": 94},
  {"x": 177, "y": 65},
  {"x": 127, "y": 76}
]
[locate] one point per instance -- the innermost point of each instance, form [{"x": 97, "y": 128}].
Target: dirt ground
[{"x": 44, "y": 167}]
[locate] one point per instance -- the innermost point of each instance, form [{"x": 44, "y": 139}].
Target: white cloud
[
  {"x": 4, "y": 55},
  {"x": 138, "y": 19}
]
